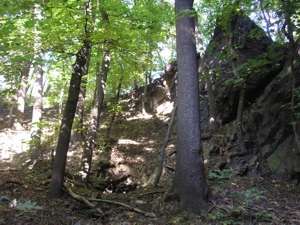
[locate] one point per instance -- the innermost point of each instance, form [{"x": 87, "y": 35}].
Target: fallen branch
[
  {"x": 83, "y": 199},
  {"x": 151, "y": 193},
  {"x": 9, "y": 170},
  {"x": 134, "y": 209}
]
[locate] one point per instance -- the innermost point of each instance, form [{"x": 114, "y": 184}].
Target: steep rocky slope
[{"x": 267, "y": 115}]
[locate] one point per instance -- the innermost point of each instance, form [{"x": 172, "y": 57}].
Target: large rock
[
  {"x": 267, "y": 117},
  {"x": 257, "y": 58}
]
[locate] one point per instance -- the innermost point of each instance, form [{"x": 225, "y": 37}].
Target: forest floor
[{"x": 133, "y": 156}]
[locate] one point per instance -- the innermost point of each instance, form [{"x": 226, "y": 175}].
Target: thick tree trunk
[
  {"x": 21, "y": 93},
  {"x": 79, "y": 70},
  {"x": 190, "y": 180},
  {"x": 96, "y": 113}
]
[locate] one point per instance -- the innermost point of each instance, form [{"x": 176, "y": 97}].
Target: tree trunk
[
  {"x": 116, "y": 101},
  {"x": 190, "y": 180},
  {"x": 267, "y": 20},
  {"x": 213, "y": 124},
  {"x": 145, "y": 104},
  {"x": 36, "y": 130},
  {"x": 154, "y": 179},
  {"x": 81, "y": 109},
  {"x": 96, "y": 111},
  {"x": 239, "y": 118},
  {"x": 21, "y": 93},
  {"x": 79, "y": 70}
]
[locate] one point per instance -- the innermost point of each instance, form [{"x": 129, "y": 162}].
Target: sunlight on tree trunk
[
  {"x": 38, "y": 73},
  {"x": 21, "y": 93}
]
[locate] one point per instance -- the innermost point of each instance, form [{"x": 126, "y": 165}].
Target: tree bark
[
  {"x": 239, "y": 118},
  {"x": 267, "y": 20},
  {"x": 212, "y": 105},
  {"x": 79, "y": 70},
  {"x": 190, "y": 180},
  {"x": 21, "y": 93},
  {"x": 116, "y": 101},
  {"x": 81, "y": 109},
  {"x": 145, "y": 93},
  {"x": 36, "y": 130}
]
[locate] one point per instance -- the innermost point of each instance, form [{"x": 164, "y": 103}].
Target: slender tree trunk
[
  {"x": 96, "y": 113},
  {"x": 212, "y": 105},
  {"x": 116, "y": 101},
  {"x": 81, "y": 108},
  {"x": 21, "y": 93},
  {"x": 267, "y": 20},
  {"x": 36, "y": 130},
  {"x": 154, "y": 179},
  {"x": 190, "y": 180},
  {"x": 145, "y": 104},
  {"x": 239, "y": 118},
  {"x": 234, "y": 60},
  {"x": 79, "y": 70}
]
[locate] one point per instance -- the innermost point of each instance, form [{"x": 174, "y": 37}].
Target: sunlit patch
[
  {"x": 121, "y": 170},
  {"x": 12, "y": 143},
  {"x": 171, "y": 146},
  {"x": 128, "y": 142},
  {"x": 148, "y": 149},
  {"x": 139, "y": 159},
  {"x": 146, "y": 141},
  {"x": 116, "y": 156},
  {"x": 165, "y": 108},
  {"x": 103, "y": 126},
  {"x": 140, "y": 116}
]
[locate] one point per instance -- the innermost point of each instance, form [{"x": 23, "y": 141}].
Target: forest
[{"x": 155, "y": 112}]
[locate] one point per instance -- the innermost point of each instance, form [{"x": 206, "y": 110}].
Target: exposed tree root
[
  {"x": 89, "y": 203},
  {"x": 83, "y": 199},
  {"x": 134, "y": 209}
]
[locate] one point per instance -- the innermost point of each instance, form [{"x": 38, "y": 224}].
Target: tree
[
  {"x": 37, "y": 110},
  {"x": 21, "y": 93},
  {"x": 80, "y": 69},
  {"x": 190, "y": 180}
]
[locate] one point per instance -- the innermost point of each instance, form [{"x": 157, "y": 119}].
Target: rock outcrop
[{"x": 267, "y": 115}]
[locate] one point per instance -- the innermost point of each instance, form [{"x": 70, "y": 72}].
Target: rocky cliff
[{"x": 267, "y": 114}]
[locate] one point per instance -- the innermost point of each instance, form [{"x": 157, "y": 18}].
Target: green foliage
[
  {"x": 220, "y": 175},
  {"x": 249, "y": 196},
  {"x": 27, "y": 206},
  {"x": 220, "y": 217}
]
